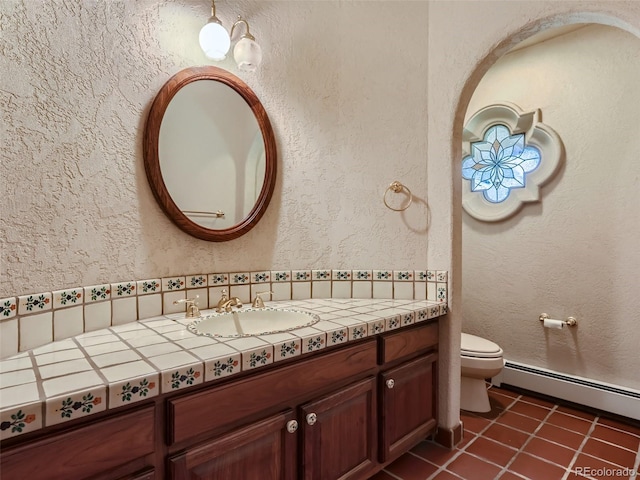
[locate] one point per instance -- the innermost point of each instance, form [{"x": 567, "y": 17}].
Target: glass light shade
[
  {"x": 214, "y": 41},
  {"x": 248, "y": 54}
]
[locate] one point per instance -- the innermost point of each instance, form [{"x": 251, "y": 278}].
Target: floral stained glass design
[{"x": 499, "y": 163}]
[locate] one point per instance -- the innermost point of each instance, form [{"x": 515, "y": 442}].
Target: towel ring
[{"x": 397, "y": 187}]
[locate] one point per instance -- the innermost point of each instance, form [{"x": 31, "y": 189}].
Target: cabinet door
[
  {"x": 407, "y": 405},
  {"x": 265, "y": 450},
  {"x": 339, "y": 435}
]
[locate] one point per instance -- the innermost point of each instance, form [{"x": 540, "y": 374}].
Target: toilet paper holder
[{"x": 570, "y": 321}]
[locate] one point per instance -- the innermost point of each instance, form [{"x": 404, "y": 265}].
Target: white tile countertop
[{"x": 123, "y": 364}]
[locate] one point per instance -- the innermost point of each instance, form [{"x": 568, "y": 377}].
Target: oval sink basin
[{"x": 252, "y": 322}]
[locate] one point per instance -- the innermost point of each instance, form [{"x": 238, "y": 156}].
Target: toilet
[{"x": 480, "y": 359}]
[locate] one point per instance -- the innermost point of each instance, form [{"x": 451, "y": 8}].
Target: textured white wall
[
  {"x": 346, "y": 97},
  {"x": 575, "y": 253},
  {"x": 360, "y": 93}
]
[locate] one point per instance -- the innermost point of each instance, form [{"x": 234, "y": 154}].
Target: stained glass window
[{"x": 499, "y": 163}]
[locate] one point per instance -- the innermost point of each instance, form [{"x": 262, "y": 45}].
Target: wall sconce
[{"x": 215, "y": 42}]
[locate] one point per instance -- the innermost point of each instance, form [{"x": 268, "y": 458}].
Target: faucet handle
[
  {"x": 192, "y": 306},
  {"x": 258, "y": 302}
]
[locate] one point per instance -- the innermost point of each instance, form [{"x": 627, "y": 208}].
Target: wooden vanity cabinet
[
  {"x": 336, "y": 435},
  {"x": 407, "y": 405},
  {"x": 340, "y": 414},
  {"x": 325, "y": 428},
  {"x": 408, "y": 389},
  {"x": 339, "y": 433},
  {"x": 264, "y": 450}
]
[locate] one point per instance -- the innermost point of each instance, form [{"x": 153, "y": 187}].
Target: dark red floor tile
[
  {"x": 410, "y": 467},
  {"x": 560, "y": 435},
  {"x": 609, "y": 453},
  {"x": 611, "y": 435},
  {"x": 620, "y": 425},
  {"x": 474, "y": 423},
  {"x": 492, "y": 451},
  {"x": 467, "y": 438},
  {"x": 472, "y": 468},
  {"x": 539, "y": 447},
  {"x": 576, "y": 413},
  {"x": 530, "y": 410},
  {"x": 519, "y": 422},
  {"x": 506, "y": 435},
  {"x": 434, "y": 453},
  {"x": 537, "y": 401},
  {"x": 534, "y": 468},
  {"x": 569, "y": 422}
]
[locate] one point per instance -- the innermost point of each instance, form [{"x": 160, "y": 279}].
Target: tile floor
[{"x": 525, "y": 437}]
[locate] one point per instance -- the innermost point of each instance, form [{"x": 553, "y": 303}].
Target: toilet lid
[{"x": 474, "y": 346}]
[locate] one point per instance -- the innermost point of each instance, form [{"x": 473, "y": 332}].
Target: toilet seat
[{"x": 478, "y": 347}]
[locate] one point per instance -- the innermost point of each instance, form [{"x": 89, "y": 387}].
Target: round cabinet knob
[
  {"x": 390, "y": 383},
  {"x": 292, "y": 426},
  {"x": 312, "y": 418}
]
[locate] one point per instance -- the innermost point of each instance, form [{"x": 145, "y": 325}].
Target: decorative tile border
[
  {"x": 8, "y": 308},
  {"x": 173, "y": 284},
  {"x": 240, "y": 278},
  {"x": 68, "y": 297},
  {"x": 23, "y": 420},
  {"x": 281, "y": 276},
  {"x": 129, "y": 391},
  {"x": 287, "y": 349},
  {"x": 34, "y": 303},
  {"x": 301, "y": 275},
  {"x": 76, "y": 405},
  {"x": 104, "y": 304},
  {"x": 258, "y": 357},
  {"x": 222, "y": 367},
  {"x": 149, "y": 286},
  {"x": 179, "y": 378},
  {"x": 97, "y": 293}
]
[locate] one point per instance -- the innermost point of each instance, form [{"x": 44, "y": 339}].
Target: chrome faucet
[{"x": 225, "y": 303}]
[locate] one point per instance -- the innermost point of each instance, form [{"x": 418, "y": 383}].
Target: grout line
[
  {"x": 531, "y": 436},
  {"x": 391, "y": 474},
  {"x": 579, "y": 449},
  {"x": 478, "y": 435}
]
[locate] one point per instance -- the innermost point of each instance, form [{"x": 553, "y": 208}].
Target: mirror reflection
[
  {"x": 213, "y": 164},
  {"x": 210, "y": 153}
]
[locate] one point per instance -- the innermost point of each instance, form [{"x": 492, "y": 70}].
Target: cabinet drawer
[
  {"x": 401, "y": 344},
  {"x": 84, "y": 452},
  {"x": 222, "y": 407}
]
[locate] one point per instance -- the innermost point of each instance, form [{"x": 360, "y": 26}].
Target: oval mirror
[{"x": 210, "y": 153}]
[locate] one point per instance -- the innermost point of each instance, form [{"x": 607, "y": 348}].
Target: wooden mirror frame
[{"x": 152, "y": 159}]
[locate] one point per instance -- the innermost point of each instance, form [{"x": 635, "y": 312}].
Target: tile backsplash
[{"x": 29, "y": 321}]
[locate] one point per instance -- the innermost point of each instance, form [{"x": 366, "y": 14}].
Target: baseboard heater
[{"x": 603, "y": 396}]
